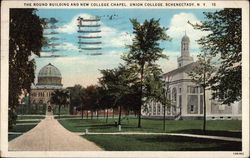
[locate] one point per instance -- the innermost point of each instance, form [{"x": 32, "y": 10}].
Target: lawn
[
  {"x": 21, "y": 129},
  {"x": 26, "y": 117},
  {"x": 24, "y": 128},
  {"x": 161, "y": 143},
  {"x": 214, "y": 127}
]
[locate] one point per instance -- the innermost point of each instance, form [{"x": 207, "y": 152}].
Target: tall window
[
  {"x": 174, "y": 94},
  {"x": 158, "y": 109}
]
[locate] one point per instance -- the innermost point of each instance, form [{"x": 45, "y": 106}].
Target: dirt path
[{"x": 50, "y": 135}]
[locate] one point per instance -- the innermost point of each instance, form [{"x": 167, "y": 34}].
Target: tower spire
[{"x": 185, "y": 58}]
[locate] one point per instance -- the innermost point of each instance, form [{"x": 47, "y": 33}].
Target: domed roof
[
  {"x": 185, "y": 38},
  {"x": 49, "y": 71}
]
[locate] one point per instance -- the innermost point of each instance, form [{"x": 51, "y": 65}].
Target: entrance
[{"x": 49, "y": 108}]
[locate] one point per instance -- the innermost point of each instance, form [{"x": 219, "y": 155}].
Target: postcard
[{"x": 124, "y": 78}]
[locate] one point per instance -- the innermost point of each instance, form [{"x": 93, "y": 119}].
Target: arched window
[{"x": 41, "y": 101}]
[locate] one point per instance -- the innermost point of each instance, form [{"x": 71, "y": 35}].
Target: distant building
[
  {"x": 49, "y": 79},
  {"x": 187, "y": 97}
]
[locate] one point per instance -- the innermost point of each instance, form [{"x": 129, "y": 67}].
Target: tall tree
[
  {"x": 159, "y": 90},
  {"x": 117, "y": 83},
  {"x": 60, "y": 98},
  {"x": 201, "y": 74},
  {"x": 144, "y": 52},
  {"x": 76, "y": 94},
  {"x": 25, "y": 39},
  {"x": 89, "y": 99},
  {"x": 224, "y": 40}
]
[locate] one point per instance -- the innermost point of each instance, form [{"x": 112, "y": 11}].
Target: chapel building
[{"x": 187, "y": 97}]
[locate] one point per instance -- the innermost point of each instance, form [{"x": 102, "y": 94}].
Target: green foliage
[
  {"x": 60, "y": 98},
  {"x": 25, "y": 38},
  {"x": 201, "y": 74},
  {"x": 202, "y": 71},
  {"x": 121, "y": 93},
  {"x": 224, "y": 40},
  {"x": 142, "y": 56},
  {"x": 76, "y": 94}
]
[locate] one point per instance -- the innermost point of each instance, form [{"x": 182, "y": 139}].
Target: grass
[
  {"x": 23, "y": 128},
  {"x": 29, "y": 121},
  {"x": 161, "y": 143},
  {"x": 23, "y": 117},
  {"x": 214, "y": 127}
]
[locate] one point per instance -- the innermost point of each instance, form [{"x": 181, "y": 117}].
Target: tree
[
  {"x": 117, "y": 84},
  {"x": 76, "y": 94},
  {"x": 201, "y": 74},
  {"x": 60, "y": 97},
  {"x": 224, "y": 40},
  {"x": 143, "y": 53},
  {"x": 89, "y": 99},
  {"x": 160, "y": 91},
  {"x": 25, "y": 39}
]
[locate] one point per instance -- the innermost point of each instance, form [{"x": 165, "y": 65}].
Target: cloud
[
  {"x": 111, "y": 37},
  {"x": 178, "y": 26},
  {"x": 67, "y": 46},
  {"x": 71, "y": 27}
]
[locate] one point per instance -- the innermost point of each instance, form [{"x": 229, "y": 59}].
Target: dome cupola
[
  {"x": 185, "y": 38},
  {"x": 49, "y": 77}
]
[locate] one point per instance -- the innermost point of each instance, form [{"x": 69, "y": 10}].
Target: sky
[{"x": 82, "y": 67}]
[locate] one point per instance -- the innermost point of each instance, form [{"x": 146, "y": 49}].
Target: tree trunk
[
  {"x": 139, "y": 117},
  {"x": 91, "y": 115},
  {"x": 141, "y": 96},
  {"x": 87, "y": 114},
  {"x": 164, "y": 118},
  {"x": 204, "y": 118},
  {"x": 120, "y": 113},
  {"x": 59, "y": 110},
  {"x": 107, "y": 115},
  {"x": 97, "y": 114},
  {"x": 82, "y": 112},
  {"x": 113, "y": 113},
  {"x": 104, "y": 113}
]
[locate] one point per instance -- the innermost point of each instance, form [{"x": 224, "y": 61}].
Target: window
[
  {"x": 180, "y": 101},
  {"x": 40, "y": 101},
  {"x": 174, "y": 110},
  {"x": 168, "y": 110},
  {"x": 201, "y": 104},
  {"x": 174, "y": 95},
  {"x": 179, "y": 89},
  {"x": 191, "y": 108},
  {"x": 149, "y": 109},
  {"x": 192, "y": 89},
  {"x": 201, "y": 90},
  {"x": 158, "y": 109},
  {"x": 154, "y": 110}
]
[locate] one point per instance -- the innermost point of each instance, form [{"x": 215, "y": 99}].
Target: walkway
[
  {"x": 50, "y": 135},
  {"x": 173, "y": 134}
]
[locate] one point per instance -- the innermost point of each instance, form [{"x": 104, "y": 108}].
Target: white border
[{"x": 4, "y": 84}]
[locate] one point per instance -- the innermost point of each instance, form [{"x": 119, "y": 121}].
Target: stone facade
[
  {"x": 49, "y": 79},
  {"x": 187, "y": 97}
]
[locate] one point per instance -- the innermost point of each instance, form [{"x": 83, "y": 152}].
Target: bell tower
[{"x": 185, "y": 57}]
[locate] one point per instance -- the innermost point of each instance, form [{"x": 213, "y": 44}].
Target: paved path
[
  {"x": 174, "y": 134},
  {"x": 50, "y": 135}
]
